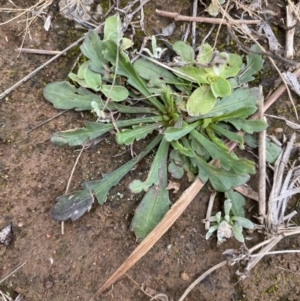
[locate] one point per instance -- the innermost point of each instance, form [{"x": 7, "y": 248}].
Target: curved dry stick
[
  {"x": 199, "y": 279},
  {"x": 176, "y": 210}
]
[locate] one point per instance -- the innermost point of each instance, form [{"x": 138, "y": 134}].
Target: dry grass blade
[{"x": 173, "y": 214}]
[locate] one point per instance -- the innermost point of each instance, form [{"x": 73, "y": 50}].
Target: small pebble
[{"x": 184, "y": 276}]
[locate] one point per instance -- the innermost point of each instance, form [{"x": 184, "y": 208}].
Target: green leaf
[
  {"x": 172, "y": 133},
  {"x": 272, "y": 151},
  {"x": 213, "y": 8},
  {"x": 238, "y": 202},
  {"x": 205, "y": 55},
  {"x": 125, "y": 68},
  {"x": 82, "y": 67},
  {"x": 199, "y": 75},
  {"x": 248, "y": 126},
  {"x": 228, "y": 134},
  {"x": 239, "y": 99},
  {"x": 116, "y": 93},
  {"x": 126, "y": 43},
  {"x": 158, "y": 167},
  {"x": 227, "y": 160},
  {"x": 185, "y": 51},
  {"x": 237, "y": 234},
  {"x": 94, "y": 130},
  {"x": 238, "y": 114},
  {"x": 221, "y": 179},
  {"x": 127, "y": 136},
  {"x": 100, "y": 188},
  {"x": 220, "y": 87},
  {"x": 211, "y": 230},
  {"x": 65, "y": 96},
  {"x": 254, "y": 65},
  {"x": 227, "y": 208},
  {"x": 92, "y": 48},
  {"x": 150, "y": 211},
  {"x": 72, "y": 205},
  {"x": 78, "y": 80},
  {"x": 188, "y": 152},
  {"x": 93, "y": 79},
  {"x": 244, "y": 222},
  {"x": 251, "y": 140},
  {"x": 231, "y": 67},
  {"x": 156, "y": 75},
  {"x": 201, "y": 101},
  {"x": 112, "y": 29},
  {"x": 213, "y": 137},
  {"x": 155, "y": 203},
  {"x": 175, "y": 170}
]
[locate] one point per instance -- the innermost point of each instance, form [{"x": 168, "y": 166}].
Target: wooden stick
[
  {"x": 39, "y": 51},
  {"x": 262, "y": 162},
  {"x": 178, "y": 17}
]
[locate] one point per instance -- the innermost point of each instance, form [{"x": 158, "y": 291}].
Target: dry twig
[
  {"x": 262, "y": 161},
  {"x": 178, "y": 17}
]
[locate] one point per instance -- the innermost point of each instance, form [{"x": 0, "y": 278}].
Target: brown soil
[{"x": 73, "y": 266}]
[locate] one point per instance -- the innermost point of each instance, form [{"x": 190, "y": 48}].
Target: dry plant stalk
[
  {"x": 289, "y": 37},
  {"x": 178, "y": 17},
  {"x": 262, "y": 160},
  {"x": 176, "y": 210}
]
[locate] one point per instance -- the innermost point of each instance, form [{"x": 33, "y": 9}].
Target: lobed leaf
[
  {"x": 94, "y": 130},
  {"x": 65, "y": 96},
  {"x": 127, "y": 136},
  {"x": 101, "y": 188}
]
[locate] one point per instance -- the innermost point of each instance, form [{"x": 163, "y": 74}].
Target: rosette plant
[{"x": 187, "y": 111}]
